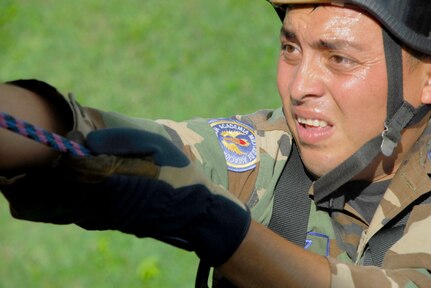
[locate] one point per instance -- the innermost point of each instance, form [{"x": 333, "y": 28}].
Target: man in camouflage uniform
[{"x": 339, "y": 78}]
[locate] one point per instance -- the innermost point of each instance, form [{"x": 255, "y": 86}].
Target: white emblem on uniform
[{"x": 238, "y": 141}]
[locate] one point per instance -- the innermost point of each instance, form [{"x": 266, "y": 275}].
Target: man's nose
[{"x": 307, "y": 82}]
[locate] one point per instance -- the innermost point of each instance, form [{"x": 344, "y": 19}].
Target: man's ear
[{"x": 426, "y": 92}]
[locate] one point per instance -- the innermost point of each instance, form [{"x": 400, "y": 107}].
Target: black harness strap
[{"x": 291, "y": 206}]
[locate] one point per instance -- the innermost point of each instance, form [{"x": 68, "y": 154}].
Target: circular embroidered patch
[{"x": 238, "y": 141}]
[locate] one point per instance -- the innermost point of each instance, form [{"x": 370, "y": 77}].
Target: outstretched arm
[
  {"x": 264, "y": 259},
  {"x": 17, "y": 152}
]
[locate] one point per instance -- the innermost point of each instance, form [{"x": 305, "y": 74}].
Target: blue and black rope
[{"x": 41, "y": 135}]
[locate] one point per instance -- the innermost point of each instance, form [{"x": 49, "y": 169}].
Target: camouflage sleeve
[
  {"x": 194, "y": 137},
  {"x": 244, "y": 153},
  {"x": 406, "y": 264},
  {"x": 234, "y": 152}
]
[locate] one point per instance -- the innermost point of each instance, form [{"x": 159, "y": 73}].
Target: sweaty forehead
[{"x": 330, "y": 22}]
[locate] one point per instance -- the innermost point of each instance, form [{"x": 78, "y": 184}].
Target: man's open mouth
[{"x": 313, "y": 123}]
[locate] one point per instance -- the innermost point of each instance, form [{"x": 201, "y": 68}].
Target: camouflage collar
[{"x": 410, "y": 182}]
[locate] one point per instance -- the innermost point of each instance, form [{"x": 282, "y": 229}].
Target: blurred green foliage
[{"x": 149, "y": 58}]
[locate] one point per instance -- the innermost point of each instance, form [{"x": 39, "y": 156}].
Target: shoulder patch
[{"x": 238, "y": 141}]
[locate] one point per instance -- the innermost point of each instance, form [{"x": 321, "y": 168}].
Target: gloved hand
[{"x": 147, "y": 187}]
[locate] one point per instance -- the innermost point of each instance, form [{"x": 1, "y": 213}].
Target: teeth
[{"x": 312, "y": 122}]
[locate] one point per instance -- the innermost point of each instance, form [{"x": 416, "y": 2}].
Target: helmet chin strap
[{"x": 400, "y": 115}]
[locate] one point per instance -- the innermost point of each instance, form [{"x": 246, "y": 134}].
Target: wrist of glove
[{"x": 147, "y": 187}]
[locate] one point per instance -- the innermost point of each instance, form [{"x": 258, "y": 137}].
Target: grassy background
[{"x": 154, "y": 59}]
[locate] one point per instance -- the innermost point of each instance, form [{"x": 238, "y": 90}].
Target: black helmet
[
  {"x": 405, "y": 23},
  {"x": 408, "y": 20}
]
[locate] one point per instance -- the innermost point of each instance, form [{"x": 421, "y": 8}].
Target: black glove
[{"x": 140, "y": 183}]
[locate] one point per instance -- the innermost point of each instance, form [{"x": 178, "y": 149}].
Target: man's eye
[
  {"x": 288, "y": 48},
  {"x": 290, "y": 53},
  {"x": 341, "y": 60}
]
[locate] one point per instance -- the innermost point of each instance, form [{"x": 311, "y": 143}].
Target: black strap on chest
[{"x": 291, "y": 206}]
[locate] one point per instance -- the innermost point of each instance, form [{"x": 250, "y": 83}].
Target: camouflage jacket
[{"x": 246, "y": 155}]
